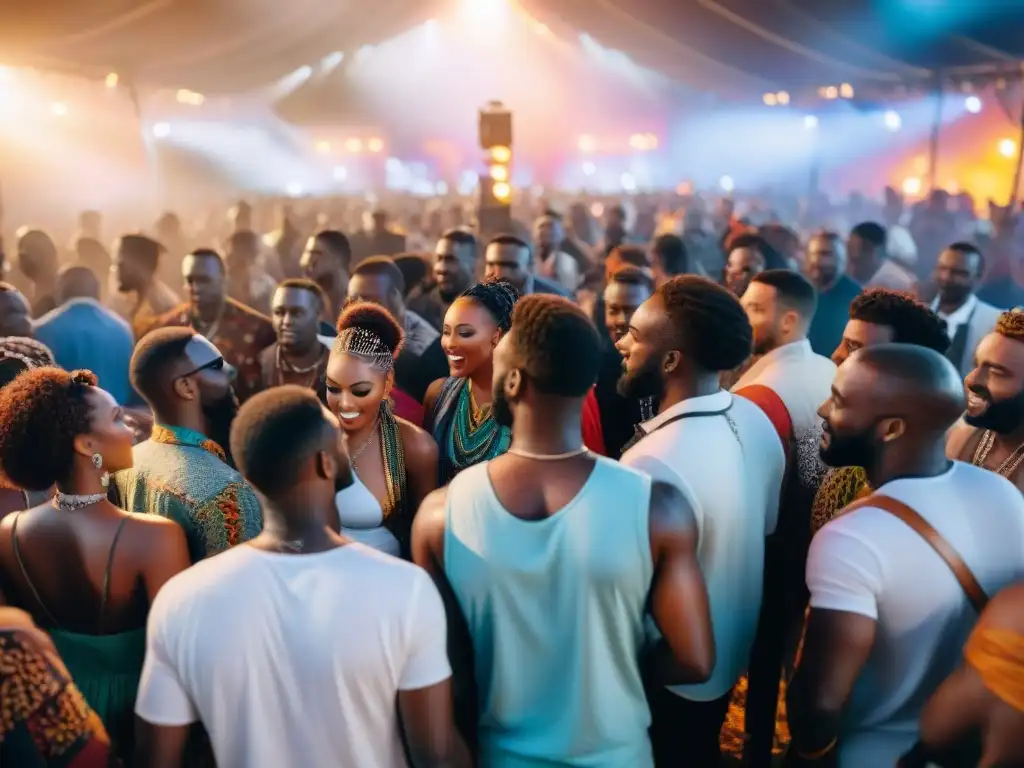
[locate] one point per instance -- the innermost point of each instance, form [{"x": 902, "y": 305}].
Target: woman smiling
[
  {"x": 459, "y": 408},
  {"x": 394, "y": 462}
]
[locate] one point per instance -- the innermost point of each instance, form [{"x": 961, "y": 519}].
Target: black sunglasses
[{"x": 213, "y": 365}]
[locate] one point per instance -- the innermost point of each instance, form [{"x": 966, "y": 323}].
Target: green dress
[{"x": 106, "y": 668}]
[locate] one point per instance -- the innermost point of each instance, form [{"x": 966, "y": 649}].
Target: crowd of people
[{"x": 535, "y": 498}]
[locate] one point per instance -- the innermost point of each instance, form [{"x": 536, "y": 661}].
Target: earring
[{"x": 97, "y": 461}]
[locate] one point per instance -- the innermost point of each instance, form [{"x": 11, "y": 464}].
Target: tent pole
[
  {"x": 933, "y": 144},
  {"x": 1015, "y": 190}
]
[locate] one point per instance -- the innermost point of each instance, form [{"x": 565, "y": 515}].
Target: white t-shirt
[
  {"x": 871, "y": 563},
  {"x": 294, "y": 660},
  {"x": 730, "y": 468}
]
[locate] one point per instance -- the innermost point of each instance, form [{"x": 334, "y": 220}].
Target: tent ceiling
[{"x": 729, "y": 46}]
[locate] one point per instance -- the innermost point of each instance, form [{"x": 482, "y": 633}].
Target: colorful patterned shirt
[
  {"x": 44, "y": 719},
  {"x": 240, "y": 335},
  {"x": 181, "y": 475}
]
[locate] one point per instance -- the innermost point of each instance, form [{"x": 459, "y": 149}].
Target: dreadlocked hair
[
  {"x": 911, "y": 321},
  {"x": 1011, "y": 324},
  {"x": 708, "y": 322},
  {"x": 498, "y": 297}
]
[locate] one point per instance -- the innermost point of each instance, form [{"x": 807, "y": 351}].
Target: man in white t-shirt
[
  {"x": 724, "y": 454},
  {"x": 299, "y": 648},
  {"x": 888, "y": 618}
]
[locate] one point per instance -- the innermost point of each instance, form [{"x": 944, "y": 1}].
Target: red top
[
  {"x": 768, "y": 401},
  {"x": 593, "y": 434},
  {"x": 406, "y": 407}
]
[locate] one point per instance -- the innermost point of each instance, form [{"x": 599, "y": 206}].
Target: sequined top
[
  {"x": 840, "y": 488},
  {"x": 463, "y": 439},
  {"x": 240, "y": 335},
  {"x": 181, "y": 475},
  {"x": 44, "y": 719}
]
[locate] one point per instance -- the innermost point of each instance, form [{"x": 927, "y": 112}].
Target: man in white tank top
[
  {"x": 724, "y": 454},
  {"x": 551, "y": 557},
  {"x": 888, "y": 617}
]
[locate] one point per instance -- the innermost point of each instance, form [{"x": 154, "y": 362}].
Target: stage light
[
  {"x": 112, "y": 80},
  {"x": 972, "y": 104},
  {"x": 1008, "y": 148},
  {"x": 323, "y": 147},
  {"x": 810, "y": 122},
  {"x": 185, "y": 96},
  {"x": 502, "y": 191},
  {"x": 355, "y": 146},
  {"x": 501, "y": 154},
  {"x": 161, "y": 130},
  {"x": 846, "y": 91},
  {"x": 912, "y": 186},
  {"x": 59, "y": 109},
  {"x": 831, "y": 92},
  {"x": 499, "y": 172},
  {"x": 727, "y": 184},
  {"x": 587, "y": 144},
  {"x": 589, "y": 169},
  {"x": 340, "y": 173},
  {"x": 770, "y": 100},
  {"x": 892, "y": 120},
  {"x": 293, "y": 189},
  {"x": 376, "y": 146},
  {"x": 782, "y": 97}
]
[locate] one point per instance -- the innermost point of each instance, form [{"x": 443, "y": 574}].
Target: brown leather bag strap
[{"x": 926, "y": 531}]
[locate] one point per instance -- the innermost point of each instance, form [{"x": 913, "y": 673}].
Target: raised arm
[{"x": 679, "y": 597}]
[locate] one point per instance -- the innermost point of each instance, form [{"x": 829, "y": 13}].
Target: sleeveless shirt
[{"x": 555, "y": 608}]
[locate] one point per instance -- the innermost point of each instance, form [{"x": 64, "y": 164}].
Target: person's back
[
  {"x": 923, "y": 615},
  {"x": 84, "y": 334},
  {"x": 555, "y": 610},
  {"x": 731, "y": 468},
  {"x": 322, "y": 643}
]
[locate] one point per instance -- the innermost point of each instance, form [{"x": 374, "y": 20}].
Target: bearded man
[{"x": 991, "y": 435}]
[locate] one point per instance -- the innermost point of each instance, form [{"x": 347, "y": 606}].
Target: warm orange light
[
  {"x": 112, "y": 80},
  {"x": 782, "y": 97},
  {"x": 770, "y": 100},
  {"x": 59, "y": 109},
  {"x": 846, "y": 91},
  {"x": 587, "y": 144},
  {"x": 501, "y": 154},
  {"x": 912, "y": 186},
  {"x": 831, "y": 92},
  {"x": 355, "y": 146},
  {"x": 502, "y": 191},
  {"x": 1007, "y": 147},
  {"x": 643, "y": 142},
  {"x": 499, "y": 172},
  {"x": 375, "y": 145},
  {"x": 323, "y": 147}
]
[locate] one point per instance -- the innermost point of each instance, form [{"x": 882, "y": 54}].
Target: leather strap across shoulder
[{"x": 926, "y": 531}]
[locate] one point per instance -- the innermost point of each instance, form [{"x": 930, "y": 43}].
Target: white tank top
[{"x": 362, "y": 518}]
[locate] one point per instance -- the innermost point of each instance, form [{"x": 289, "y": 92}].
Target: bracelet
[{"x": 812, "y": 756}]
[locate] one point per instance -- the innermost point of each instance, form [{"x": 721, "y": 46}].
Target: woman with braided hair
[
  {"x": 394, "y": 462},
  {"x": 459, "y": 408}
]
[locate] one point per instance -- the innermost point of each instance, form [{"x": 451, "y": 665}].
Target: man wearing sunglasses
[{"x": 183, "y": 472}]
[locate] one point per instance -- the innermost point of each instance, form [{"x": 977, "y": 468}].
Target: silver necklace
[
  {"x": 548, "y": 456},
  {"x": 70, "y": 502},
  {"x": 366, "y": 444}
]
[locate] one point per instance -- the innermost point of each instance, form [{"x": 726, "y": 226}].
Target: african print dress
[
  {"x": 465, "y": 435},
  {"x": 44, "y": 720}
]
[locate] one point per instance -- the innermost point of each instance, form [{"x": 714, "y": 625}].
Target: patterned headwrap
[
  {"x": 32, "y": 353},
  {"x": 367, "y": 345}
]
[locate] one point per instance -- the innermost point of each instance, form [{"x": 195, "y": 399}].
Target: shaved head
[{"x": 890, "y": 400}]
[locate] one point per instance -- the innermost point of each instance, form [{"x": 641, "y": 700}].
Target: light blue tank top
[{"x": 555, "y": 608}]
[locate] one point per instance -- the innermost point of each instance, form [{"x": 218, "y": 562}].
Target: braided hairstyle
[
  {"x": 498, "y": 297},
  {"x": 707, "y": 322},
  {"x": 377, "y": 320},
  {"x": 19, "y": 354}
]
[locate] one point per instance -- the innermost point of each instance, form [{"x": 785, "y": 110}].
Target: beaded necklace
[{"x": 472, "y": 440}]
